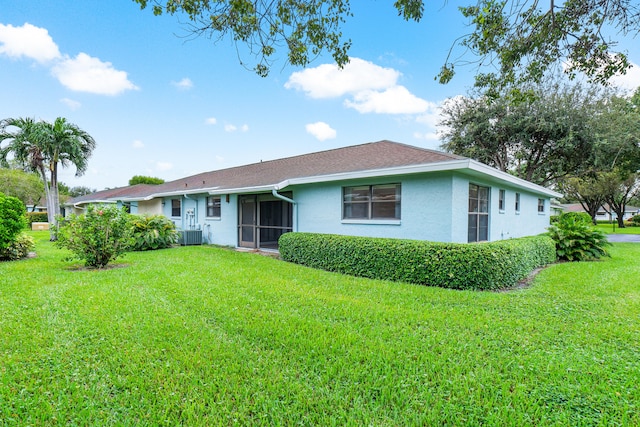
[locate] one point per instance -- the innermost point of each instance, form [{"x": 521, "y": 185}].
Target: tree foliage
[
  {"x": 12, "y": 219},
  {"x": 80, "y": 191},
  {"x": 541, "y": 139},
  {"x": 140, "y": 179},
  {"x": 519, "y": 39},
  {"x": 43, "y": 147},
  {"x": 25, "y": 186}
]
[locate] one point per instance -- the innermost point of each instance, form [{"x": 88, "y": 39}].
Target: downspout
[{"x": 293, "y": 202}]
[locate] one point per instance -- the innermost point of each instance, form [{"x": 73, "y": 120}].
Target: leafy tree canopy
[
  {"x": 519, "y": 39},
  {"x": 140, "y": 179},
  {"x": 80, "y": 191},
  {"x": 541, "y": 139},
  {"x": 23, "y": 185}
]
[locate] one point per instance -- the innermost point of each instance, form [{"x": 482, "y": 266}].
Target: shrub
[
  {"x": 98, "y": 236},
  {"x": 12, "y": 219},
  {"x": 152, "y": 232},
  {"x": 480, "y": 266},
  {"x": 635, "y": 220},
  {"x": 19, "y": 248},
  {"x": 36, "y": 217},
  {"x": 579, "y": 217},
  {"x": 576, "y": 240}
]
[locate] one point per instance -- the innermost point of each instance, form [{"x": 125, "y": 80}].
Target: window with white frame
[
  {"x": 501, "y": 197},
  {"x": 370, "y": 202},
  {"x": 540, "y": 205},
  {"x": 213, "y": 207},
  {"x": 478, "y": 228},
  {"x": 517, "y": 202}
]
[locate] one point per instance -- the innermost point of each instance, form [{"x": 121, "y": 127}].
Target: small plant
[
  {"x": 19, "y": 248},
  {"x": 12, "y": 219},
  {"x": 153, "y": 232},
  {"x": 577, "y": 240},
  {"x": 98, "y": 236}
]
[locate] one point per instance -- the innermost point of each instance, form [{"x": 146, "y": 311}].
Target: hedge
[
  {"x": 477, "y": 266},
  {"x": 36, "y": 217}
]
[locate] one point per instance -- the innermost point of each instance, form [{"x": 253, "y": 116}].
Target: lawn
[
  {"x": 614, "y": 229},
  {"x": 207, "y": 336}
]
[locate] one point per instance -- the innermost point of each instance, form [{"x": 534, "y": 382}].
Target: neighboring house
[
  {"x": 379, "y": 189},
  {"x": 604, "y": 212}
]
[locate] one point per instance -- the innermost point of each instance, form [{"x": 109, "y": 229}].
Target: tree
[
  {"x": 619, "y": 188},
  {"x": 588, "y": 191},
  {"x": 23, "y": 185},
  {"x": 42, "y": 147},
  {"x": 140, "y": 179},
  {"x": 80, "y": 191},
  {"x": 541, "y": 139},
  {"x": 517, "y": 38}
]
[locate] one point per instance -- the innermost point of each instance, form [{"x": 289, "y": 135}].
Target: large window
[
  {"x": 371, "y": 202},
  {"x": 478, "y": 213},
  {"x": 213, "y": 207},
  {"x": 176, "y": 207}
]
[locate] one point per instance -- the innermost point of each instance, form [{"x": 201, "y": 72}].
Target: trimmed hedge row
[
  {"x": 36, "y": 217},
  {"x": 483, "y": 266}
]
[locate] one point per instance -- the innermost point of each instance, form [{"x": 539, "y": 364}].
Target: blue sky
[{"x": 165, "y": 105}]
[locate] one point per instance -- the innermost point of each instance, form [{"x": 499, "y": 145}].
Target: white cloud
[
  {"x": 230, "y": 128},
  {"x": 329, "y": 81},
  {"x": 27, "y": 41},
  {"x": 87, "y": 74},
  {"x": 244, "y": 128},
  {"x": 211, "y": 121},
  {"x": 164, "y": 166},
  {"x": 629, "y": 81},
  {"x": 72, "y": 104},
  {"x": 184, "y": 84},
  {"x": 372, "y": 88},
  {"x": 427, "y": 136},
  {"x": 321, "y": 131},
  {"x": 394, "y": 100},
  {"x": 137, "y": 144}
]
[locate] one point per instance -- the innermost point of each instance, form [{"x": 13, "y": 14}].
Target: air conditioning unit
[{"x": 190, "y": 237}]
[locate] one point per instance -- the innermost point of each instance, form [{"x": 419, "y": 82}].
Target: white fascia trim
[
  {"x": 503, "y": 176},
  {"x": 88, "y": 202},
  {"x": 242, "y": 190},
  {"x": 423, "y": 168},
  {"x": 169, "y": 194}
]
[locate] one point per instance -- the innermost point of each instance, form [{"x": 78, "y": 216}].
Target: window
[
  {"x": 371, "y": 202},
  {"x": 478, "y": 213},
  {"x": 213, "y": 207},
  {"x": 517, "y": 202},
  {"x": 540, "y": 205},
  {"x": 501, "y": 195},
  {"x": 176, "y": 207}
]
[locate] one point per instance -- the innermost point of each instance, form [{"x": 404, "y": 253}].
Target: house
[
  {"x": 604, "y": 212},
  {"x": 379, "y": 189}
]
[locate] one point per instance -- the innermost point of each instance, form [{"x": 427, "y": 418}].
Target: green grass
[
  {"x": 208, "y": 336},
  {"x": 610, "y": 229}
]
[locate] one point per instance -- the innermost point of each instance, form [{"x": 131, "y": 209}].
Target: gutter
[{"x": 295, "y": 207}]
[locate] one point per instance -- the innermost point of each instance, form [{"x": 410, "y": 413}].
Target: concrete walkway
[{"x": 624, "y": 237}]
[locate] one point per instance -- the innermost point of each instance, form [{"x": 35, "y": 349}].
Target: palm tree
[
  {"x": 41, "y": 146},
  {"x": 65, "y": 143},
  {"x": 27, "y": 150}
]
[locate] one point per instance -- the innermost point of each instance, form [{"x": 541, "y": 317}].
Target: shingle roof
[{"x": 364, "y": 157}]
